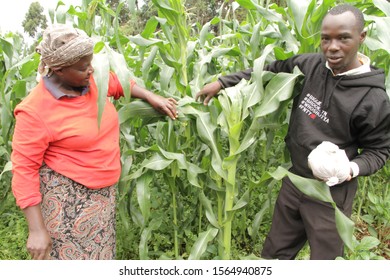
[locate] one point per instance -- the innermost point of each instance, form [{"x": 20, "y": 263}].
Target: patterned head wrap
[{"x": 62, "y": 46}]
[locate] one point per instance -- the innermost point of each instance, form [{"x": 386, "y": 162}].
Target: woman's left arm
[{"x": 163, "y": 105}]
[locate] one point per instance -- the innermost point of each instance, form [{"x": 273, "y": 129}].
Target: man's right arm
[
  {"x": 233, "y": 79},
  {"x": 210, "y": 90}
]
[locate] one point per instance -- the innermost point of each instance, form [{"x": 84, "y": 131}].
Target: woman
[{"x": 64, "y": 165}]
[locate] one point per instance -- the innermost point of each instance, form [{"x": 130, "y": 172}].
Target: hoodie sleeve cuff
[{"x": 354, "y": 169}]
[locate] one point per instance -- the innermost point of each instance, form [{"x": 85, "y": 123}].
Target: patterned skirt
[{"x": 80, "y": 221}]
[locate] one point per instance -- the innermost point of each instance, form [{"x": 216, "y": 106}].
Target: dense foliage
[{"x": 203, "y": 186}]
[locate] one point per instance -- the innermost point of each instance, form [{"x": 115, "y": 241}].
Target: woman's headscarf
[{"x": 62, "y": 46}]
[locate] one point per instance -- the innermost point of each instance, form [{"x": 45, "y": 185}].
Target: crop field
[{"x": 202, "y": 186}]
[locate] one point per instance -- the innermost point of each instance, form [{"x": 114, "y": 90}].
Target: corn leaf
[
  {"x": 279, "y": 89},
  {"x": 211, "y": 217},
  {"x": 143, "y": 194},
  {"x": 319, "y": 190},
  {"x": 101, "y": 75},
  {"x": 200, "y": 244}
]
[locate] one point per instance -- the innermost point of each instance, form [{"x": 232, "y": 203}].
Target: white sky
[{"x": 13, "y": 12}]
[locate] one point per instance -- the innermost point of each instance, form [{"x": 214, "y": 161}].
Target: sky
[{"x": 13, "y": 12}]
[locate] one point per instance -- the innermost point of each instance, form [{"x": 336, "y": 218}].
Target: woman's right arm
[
  {"x": 30, "y": 141},
  {"x": 39, "y": 242}
]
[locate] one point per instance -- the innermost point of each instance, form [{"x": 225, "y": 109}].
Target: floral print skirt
[{"x": 80, "y": 221}]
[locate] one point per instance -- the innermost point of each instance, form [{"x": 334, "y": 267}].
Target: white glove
[{"x": 329, "y": 163}]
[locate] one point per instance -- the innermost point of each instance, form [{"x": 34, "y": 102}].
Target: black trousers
[{"x": 298, "y": 218}]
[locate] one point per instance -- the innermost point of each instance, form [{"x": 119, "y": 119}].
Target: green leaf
[
  {"x": 156, "y": 162},
  {"x": 148, "y": 63},
  {"x": 212, "y": 218},
  {"x": 29, "y": 68},
  {"x": 101, "y": 76},
  {"x": 265, "y": 12},
  {"x": 7, "y": 168},
  {"x": 143, "y": 194},
  {"x": 61, "y": 13},
  {"x": 6, "y": 118},
  {"x": 368, "y": 219},
  {"x": 142, "y": 42},
  {"x": 192, "y": 170},
  {"x": 383, "y": 5},
  {"x": 200, "y": 244},
  {"x": 258, "y": 68},
  {"x": 145, "y": 237},
  {"x": 204, "y": 32},
  {"x": 136, "y": 108},
  {"x": 382, "y": 27},
  {"x": 243, "y": 201},
  {"x": 81, "y": 15},
  {"x": 319, "y": 190},
  {"x": 368, "y": 243},
  {"x": 20, "y": 89},
  {"x": 279, "y": 89},
  {"x": 251, "y": 95},
  {"x": 119, "y": 66},
  {"x": 310, "y": 187},
  {"x": 292, "y": 44},
  {"x": 247, "y": 4},
  {"x": 206, "y": 131},
  {"x": 150, "y": 27},
  {"x": 7, "y": 48},
  {"x": 299, "y": 10},
  {"x": 166, "y": 76},
  {"x": 254, "y": 230},
  {"x": 345, "y": 227}
]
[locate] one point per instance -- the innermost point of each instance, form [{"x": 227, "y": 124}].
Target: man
[{"x": 352, "y": 111}]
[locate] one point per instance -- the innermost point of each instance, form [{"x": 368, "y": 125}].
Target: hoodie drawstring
[{"x": 326, "y": 98}]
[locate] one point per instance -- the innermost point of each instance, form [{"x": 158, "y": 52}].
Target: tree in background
[
  {"x": 199, "y": 12},
  {"x": 124, "y": 15},
  {"x": 35, "y": 20},
  {"x": 202, "y": 11},
  {"x": 138, "y": 17}
]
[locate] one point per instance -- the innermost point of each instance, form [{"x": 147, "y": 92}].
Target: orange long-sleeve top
[{"x": 64, "y": 134}]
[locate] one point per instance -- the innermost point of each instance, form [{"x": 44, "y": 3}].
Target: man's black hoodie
[{"x": 352, "y": 112}]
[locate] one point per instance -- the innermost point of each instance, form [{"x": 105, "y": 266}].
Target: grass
[{"x": 13, "y": 232}]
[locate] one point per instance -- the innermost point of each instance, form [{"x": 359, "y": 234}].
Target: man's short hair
[{"x": 340, "y": 9}]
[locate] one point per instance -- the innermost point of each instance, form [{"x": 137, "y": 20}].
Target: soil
[{"x": 362, "y": 231}]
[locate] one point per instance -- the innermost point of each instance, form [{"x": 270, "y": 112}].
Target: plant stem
[
  {"x": 220, "y": 203},
  {"x": 361, "y": 198},
  {"x": 172, "y": 186},
  {"x": 229, "y": 201}
]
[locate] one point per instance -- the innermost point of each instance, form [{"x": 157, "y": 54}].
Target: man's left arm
[{"x": 373, "y": 124}]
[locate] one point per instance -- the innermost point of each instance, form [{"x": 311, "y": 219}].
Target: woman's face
[{"x": 78, "y": 74}]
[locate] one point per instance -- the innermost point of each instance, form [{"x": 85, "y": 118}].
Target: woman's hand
[
  {"x": 39, "y": 244},
  {"x": 163, "y": 105},
  {"x": 208, "y": 91}
]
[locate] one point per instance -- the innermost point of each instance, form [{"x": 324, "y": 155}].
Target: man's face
[{"x": 340, "y": 41}]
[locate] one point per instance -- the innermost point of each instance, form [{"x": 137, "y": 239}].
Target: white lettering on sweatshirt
[{"x": 311, "y": 106}]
